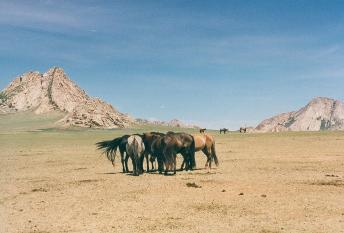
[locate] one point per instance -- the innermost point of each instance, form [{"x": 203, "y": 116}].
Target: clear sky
[{"x": 213, "y": 63}]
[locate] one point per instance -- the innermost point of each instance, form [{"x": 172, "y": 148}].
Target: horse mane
[{"x": 157, "y": 133}]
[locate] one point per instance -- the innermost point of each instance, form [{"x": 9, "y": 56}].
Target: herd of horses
[
  {"x": 225, "y": 130},
  {"x": 160, "y": 147}
]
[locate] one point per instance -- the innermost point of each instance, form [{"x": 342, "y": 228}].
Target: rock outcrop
[
  {"x": 54, "y": 91},
  {"x": 319, "y": 114},
  {"x": 172, "y": 123}
]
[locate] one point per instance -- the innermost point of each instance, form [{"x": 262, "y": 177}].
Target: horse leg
[
  {"x": 167, "y": 166},
  {"x": 126, "y": 162},
  {"x": 174, "y": 163},
  {"x": 208, "y": 154},
  {"x": 133, "y": 161},
  {"x": 122, "y": 161},
  {"x": 152, "y": 162},
  {"x": 191, "y": 163},
  {"x": 187, "y": 159},
  {"x": 160, "y": 165},
  {"x": 167, "y": 163},
  {"x": 140, "y": 161},
  {"x": 182, "y": 167},
  {"x": 147, "y": 162},
  {"x": 139, "y": 165}
]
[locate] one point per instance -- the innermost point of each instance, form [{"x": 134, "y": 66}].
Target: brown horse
[
  {"x": 157, "y": 152},
  {"x": 242, "y": 130},
  {"x": 167, "y": 147},
  {"x": 224, "y": 130},
  {"x": 202, "y": 130},
  {"x": 206, "y": 144},
  {"x": 148, "y": 139}
]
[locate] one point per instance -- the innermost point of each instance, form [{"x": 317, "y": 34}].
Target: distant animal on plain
[
  {"x": 206, "y": 144},
  {"x": 242, "y": 130},
  {"x": 202, "y": 130},
  {"x": 224, "y": 130},
  {"x": 135, "y": 149}
]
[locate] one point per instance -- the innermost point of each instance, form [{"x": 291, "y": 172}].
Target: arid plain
[{"x": 56, "y": 181}]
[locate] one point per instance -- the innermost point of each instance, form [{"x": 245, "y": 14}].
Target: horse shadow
[{"x": 155, "y": 172}]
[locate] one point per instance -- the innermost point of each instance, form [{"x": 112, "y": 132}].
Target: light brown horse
[{"x": 206, "y": 143}]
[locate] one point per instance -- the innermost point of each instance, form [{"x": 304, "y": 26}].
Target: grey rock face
[
  {"x": 172, "y": 123},
  {"x": 54, "y": 91},
  {"x": 320, "y": 113}
]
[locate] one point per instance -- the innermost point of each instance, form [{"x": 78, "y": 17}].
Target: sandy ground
[{"x": 58, "y": 182}]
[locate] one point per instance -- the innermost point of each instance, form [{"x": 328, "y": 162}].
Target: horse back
[
  {"x": 200, "y": 141},
  {"x": 135, "y": 145}
]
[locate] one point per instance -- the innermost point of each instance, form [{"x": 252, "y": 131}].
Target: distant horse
[
  {"x": 148, "y": 139},
  {"x": 202, "y": 130},
  {"x": 167, "y": 147},
  {"x": 110, "y": 148},
  {"x": 135, "y": 149},
  {"x": 224, "y": 130},
  {"x": 242, "y": 130},
  {"x": 206, "y": 144}
]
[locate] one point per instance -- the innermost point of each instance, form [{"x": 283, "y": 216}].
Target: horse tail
[
  {"x": 109, "y": 148},
  {"x": 136, "y": 148},
  {"x": 192, "y": 159},
  {"x": 213, "y": 154}
]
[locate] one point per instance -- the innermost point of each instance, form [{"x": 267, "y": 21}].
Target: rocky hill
[
  {"x": 172, "y": 123},
  {"x": 54, "y": 91},
  {"x": 319, "y": 114}
]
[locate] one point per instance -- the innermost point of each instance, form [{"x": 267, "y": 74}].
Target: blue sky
[{"x": 213, "y": 63}]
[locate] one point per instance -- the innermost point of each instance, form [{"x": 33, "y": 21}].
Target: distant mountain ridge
[
  {"x": 54, "y": 91},
  {"x": 320, "y": 113},
  {"x": 172, "y": 123}
]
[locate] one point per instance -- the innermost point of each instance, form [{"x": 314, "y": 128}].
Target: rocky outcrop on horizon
[
  {"x": 54, "y": 91},
  {"x": 172, "y": 123},
  {"x": 320, "y": 113}
]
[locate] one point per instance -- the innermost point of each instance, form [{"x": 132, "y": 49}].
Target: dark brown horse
[
  {"x": 167, "y": 147},
  {"x": 202, "y": 130},
  {"x": 206, "y": 144},
  {"x": 242, "y": 130},
  {"x": 148, "y": 139},
  {"x": 224, "y": 130},
  {"x": 157, "y": 152}
]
